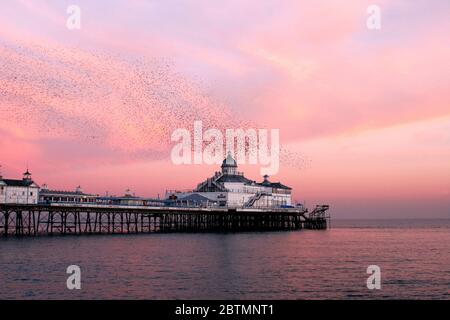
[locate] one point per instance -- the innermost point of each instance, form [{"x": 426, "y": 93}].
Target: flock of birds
[{"x": 130, "y": 105}]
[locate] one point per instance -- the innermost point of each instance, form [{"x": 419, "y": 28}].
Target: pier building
[
  {"x": 232, "y": 189},
  {"x": 58, "y": 196},
  {"x": 21, "y": 191}
]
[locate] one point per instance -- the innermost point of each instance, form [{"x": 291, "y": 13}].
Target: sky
[{"x": 363, "y": 114}]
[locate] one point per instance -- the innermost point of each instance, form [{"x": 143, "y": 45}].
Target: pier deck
[{"x": 65, "y": 219}]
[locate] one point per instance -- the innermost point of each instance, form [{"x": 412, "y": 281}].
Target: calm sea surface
[{"x": 414, "y": 257}]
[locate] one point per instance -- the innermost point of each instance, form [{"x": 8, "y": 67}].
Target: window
[{"x": 31, "y": 193}]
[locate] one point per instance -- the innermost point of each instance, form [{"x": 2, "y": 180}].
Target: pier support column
[{"x": 6, "y": 223}]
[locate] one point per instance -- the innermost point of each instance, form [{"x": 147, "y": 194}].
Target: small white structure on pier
[
  {"x": 24, "y": 191},
  {"x": 232, "y": 189},
  {"x": 47, "y": 195}
]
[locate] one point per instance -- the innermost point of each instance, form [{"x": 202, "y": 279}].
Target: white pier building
[
  {"x": 232, "y": 189},
  {"x": 24, "y": 191}
]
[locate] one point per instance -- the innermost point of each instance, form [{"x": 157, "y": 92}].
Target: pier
[{"x": 73, "y": 219}]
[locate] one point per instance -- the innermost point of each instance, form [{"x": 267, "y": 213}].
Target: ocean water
[{"x": 413, "y": 255}]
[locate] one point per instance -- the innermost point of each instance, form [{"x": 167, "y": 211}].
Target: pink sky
[{"x": 363, "y": 114}]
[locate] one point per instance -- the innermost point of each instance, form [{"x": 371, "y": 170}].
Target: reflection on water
[{"x": 303, "y": 264}]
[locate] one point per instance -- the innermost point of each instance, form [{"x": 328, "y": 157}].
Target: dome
[{"x": 229, "y": 161}]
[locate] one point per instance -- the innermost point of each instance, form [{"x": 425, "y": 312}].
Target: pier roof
[
  {"x": 63, "y": 192},
  {"x": 195, "y": 198},
  {"x": 279, "y": 185},
  {"x": 18, "y": 183},
  {"x": 234, "y": 178}
]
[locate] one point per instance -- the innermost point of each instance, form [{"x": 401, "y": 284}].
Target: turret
[
  {"x": 27, "y": 175},
  {"x": 229, "y": 165}
]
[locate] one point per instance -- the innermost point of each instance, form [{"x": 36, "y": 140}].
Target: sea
[{"x": 412, "y": 257}]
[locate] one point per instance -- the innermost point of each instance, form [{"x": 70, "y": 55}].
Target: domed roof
[{"x": 229, "y": 161}]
